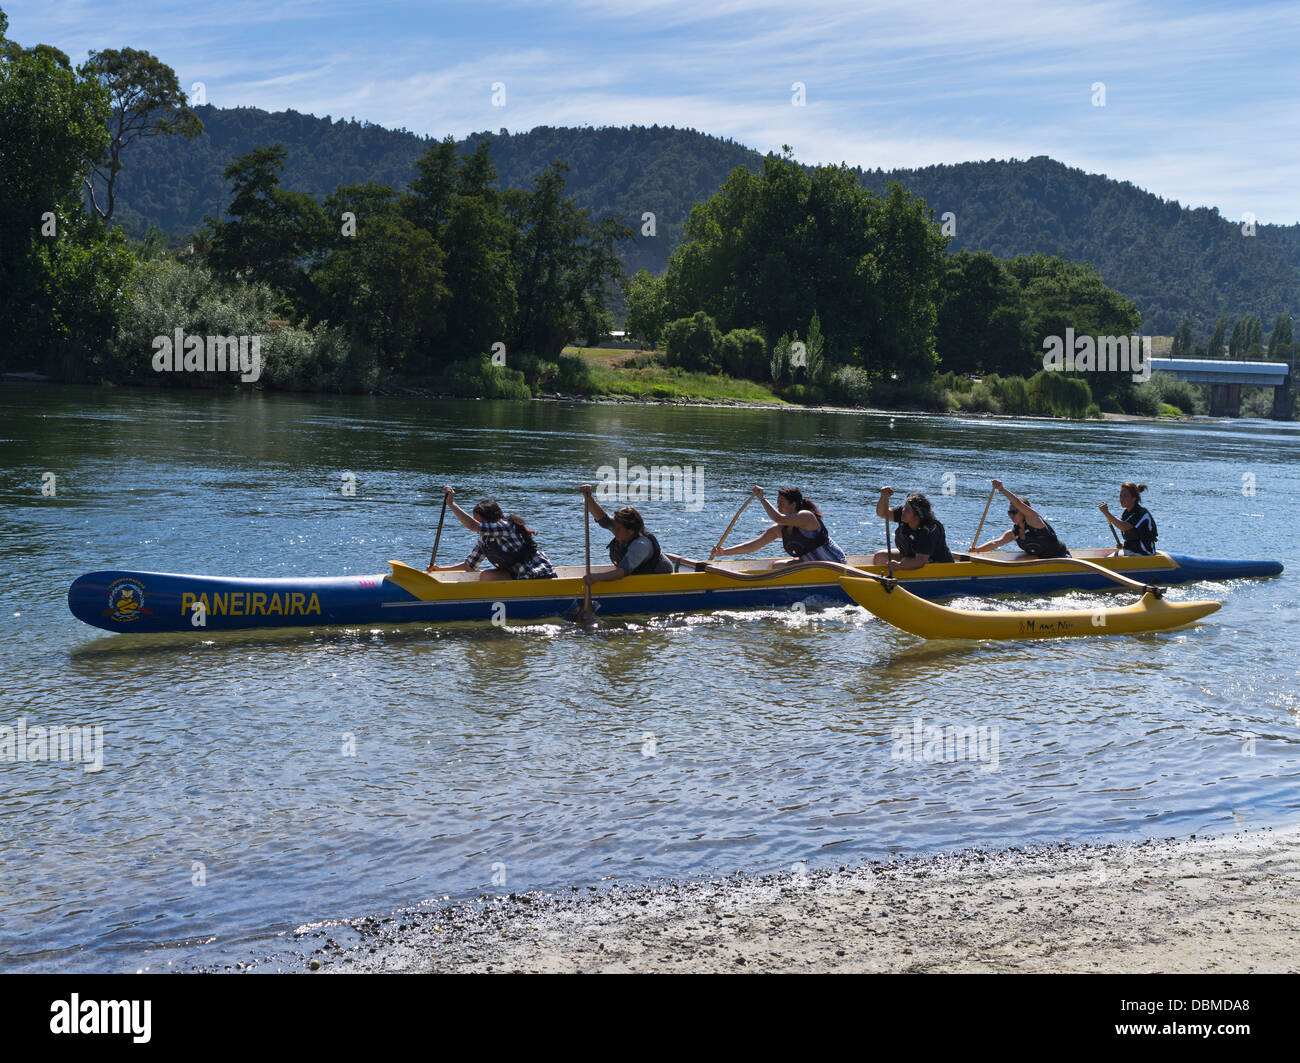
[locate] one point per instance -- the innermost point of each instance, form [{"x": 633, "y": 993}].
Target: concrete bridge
[{"x": 1226, "y": 379}]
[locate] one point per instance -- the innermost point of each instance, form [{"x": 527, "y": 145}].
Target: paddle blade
[{"x": 579, "y": 612}]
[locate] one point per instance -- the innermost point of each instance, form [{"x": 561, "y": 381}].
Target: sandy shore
[{"x": 1222, "y": 905}]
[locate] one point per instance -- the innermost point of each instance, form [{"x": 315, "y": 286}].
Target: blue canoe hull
[{"x": 122, "y": 601}]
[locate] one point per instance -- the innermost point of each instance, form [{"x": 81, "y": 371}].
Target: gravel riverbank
[{"x": 1214, "y": 905}]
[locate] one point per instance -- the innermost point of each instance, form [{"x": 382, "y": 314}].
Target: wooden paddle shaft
[
  {"x": 1114, "y": 533},
  {"x": 438, "y": 538},
  {"x": 586, "y": 609},
  {"x": 985, "y": 514},
  {"x": 733, "y": 523},
  {"x": 889, "y": 550}
]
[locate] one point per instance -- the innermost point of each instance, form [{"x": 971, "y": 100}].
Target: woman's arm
[
  {"x": 594, "y": 507},
  {"x": 882, "y": 504},
  {"x": 466, "y": 519},
  {"x": 1120, "y": 524},
  {"x": 772, "y": 533},
  {"x": 1031, "y": 515},
  {"x": 993, "y": 544},
  {"x": 462, "y": 567},
  {"x": 604, "y": 575}
]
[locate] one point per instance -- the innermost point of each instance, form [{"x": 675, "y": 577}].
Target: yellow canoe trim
[
  {"x": 929, "y": 621},
  {"x": 460, "y": 586}
]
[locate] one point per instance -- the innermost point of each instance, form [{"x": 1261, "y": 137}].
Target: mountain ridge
[{"x": 1173, "y": 261}]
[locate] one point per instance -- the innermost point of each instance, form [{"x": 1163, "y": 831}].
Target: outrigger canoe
[
  {"x": 154, "y": 601},
  {"x": 905, "y": 610}
]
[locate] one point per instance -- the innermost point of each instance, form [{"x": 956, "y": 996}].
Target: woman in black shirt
[{"x": 920, "y": 538}]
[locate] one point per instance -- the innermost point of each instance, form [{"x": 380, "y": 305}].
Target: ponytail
[
  {"x": 489, "y": 512},
  {"x": 524, "y": 530}
]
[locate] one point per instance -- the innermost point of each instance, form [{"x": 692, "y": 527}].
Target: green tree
[
  {"x": 693, "y": 343},
  {"x": 1214, "y": 346},
  {"x": 1182, "y": 345},
  {"x": 479, "y": 269},
  {"x": 1254, "y": 337},
  {"x": 63, "y": 275},
  {"x": 272, "y": 235},
  {"x": 1059, "y": 296},
  {"x": 1237, "y": 339},
  {"x": 744, "y": 353},
  {"x": 429, "y": 200},
  {"x": 644, "y": 297},
  {"x": 1281, "y": 341},
  {"x": 815, "y": 352},
  {"x": 566, "y": 266},
  {"x": 384, "y": 284},
  {"x": 769, "y": 247},
  {"x": 147, "y": 101},
  {"x": 981, "y": 324}
]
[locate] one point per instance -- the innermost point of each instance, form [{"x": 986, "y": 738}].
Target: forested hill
[
  {"x": 628, "y": 172},
  {"x": 1173, "y": 262}
]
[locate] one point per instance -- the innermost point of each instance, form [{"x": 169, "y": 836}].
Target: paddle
[
  {"x": 713, "y": 553},
  {"x": 985, "y": 514},
  {"x": 438, "y": 538},
  {"x": 889, "y": 553},
  {"x": 1114, "y": 533},
  {"x": 587, "y": 615}
]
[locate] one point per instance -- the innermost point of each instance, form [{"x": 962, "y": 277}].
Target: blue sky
[{"x": 1201, "y": 100}]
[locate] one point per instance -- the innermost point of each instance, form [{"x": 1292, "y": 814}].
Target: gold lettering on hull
[{"x": 252, "y": 603}]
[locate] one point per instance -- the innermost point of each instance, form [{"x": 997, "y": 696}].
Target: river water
[{"x": 254, "y": 782}]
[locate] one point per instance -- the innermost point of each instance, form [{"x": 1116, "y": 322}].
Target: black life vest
[
  {"x": 1140, "y": 540},
  {"x": 1041, "y": 542},
  {"x": 905, "y": 539},
  {"x": 796, "y": 541},
  {"x": 617, "y": 551}
]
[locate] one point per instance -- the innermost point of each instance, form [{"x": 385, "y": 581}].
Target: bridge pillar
[
  {"x": 1225, "y": 400},
  {"x": 1283, "y": 405}
]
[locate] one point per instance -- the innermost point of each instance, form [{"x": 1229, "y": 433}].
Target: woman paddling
[
  {"x": 505, "y": 541},
  {"x": 1034, "y": 536},
  {"x": 798, "y": 523},
  {"x": 920, "y": 537},
  {"x": 633, "y": 550},
  {"x": 1137, "y": 526}
]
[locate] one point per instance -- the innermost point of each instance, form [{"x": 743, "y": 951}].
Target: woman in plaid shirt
[{"x": 505, "y": 541}]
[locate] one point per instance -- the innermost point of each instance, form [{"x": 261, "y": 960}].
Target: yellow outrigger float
[{"x": 898, "y": 606}]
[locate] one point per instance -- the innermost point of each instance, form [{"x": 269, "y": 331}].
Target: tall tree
[
  {"x": 566, "y": 266},
  {"x": 147, "y": 101},
  {"x": 1214, "y": 345},
  {"x": 1281, "y": 341},
  {"x": 981, "y": 322},
  {"x": 383, "y": 281},
  {"x": 429, "y": 201},
  {"x": 768, "y": 248},
  {"x": 271, "y": 234},
  {"x": 644, "y": 297},
  {"x": 62, "y": 273}
]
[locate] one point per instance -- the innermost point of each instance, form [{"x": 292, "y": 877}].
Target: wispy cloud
[{"x": 1200, "y": 98}]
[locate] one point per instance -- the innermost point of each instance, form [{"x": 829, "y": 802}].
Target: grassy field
[{"x": 623, "y": 372}]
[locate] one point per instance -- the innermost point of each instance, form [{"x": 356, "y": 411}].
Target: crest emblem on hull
[{"x": 126, "y": 601}]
